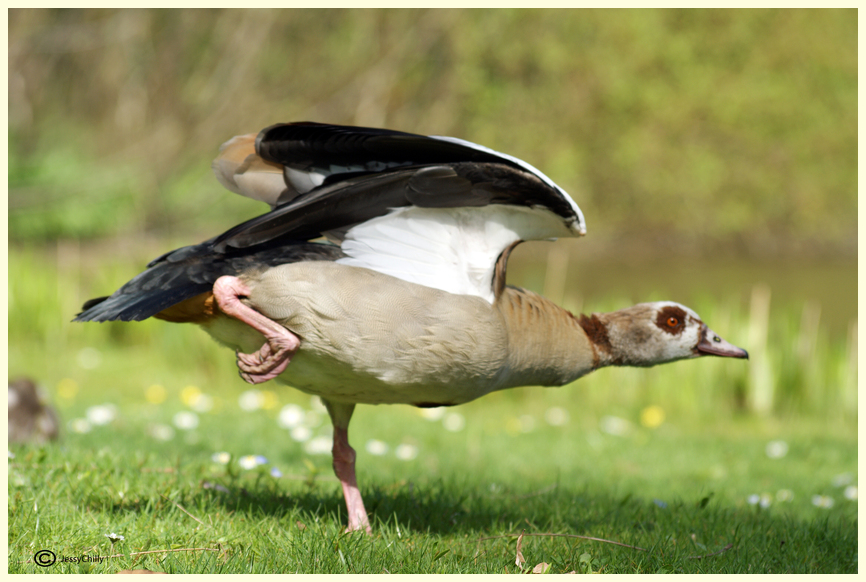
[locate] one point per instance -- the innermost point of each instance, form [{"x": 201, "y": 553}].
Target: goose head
[{"x": 647, "y": 334}]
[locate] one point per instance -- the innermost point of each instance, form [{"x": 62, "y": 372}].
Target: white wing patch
[{"x": 452, "y": 249}]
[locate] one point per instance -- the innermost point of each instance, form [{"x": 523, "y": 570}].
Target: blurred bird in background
[{"x": 31, "y": 418}]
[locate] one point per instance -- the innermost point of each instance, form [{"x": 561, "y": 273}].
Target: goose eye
[{"x": 673, "y": 321}]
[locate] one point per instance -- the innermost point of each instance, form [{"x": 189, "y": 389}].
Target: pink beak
[{"x": 711, "y": 344}]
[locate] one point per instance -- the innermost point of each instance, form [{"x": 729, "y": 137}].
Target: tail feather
[{"x": 129, "y": 304}]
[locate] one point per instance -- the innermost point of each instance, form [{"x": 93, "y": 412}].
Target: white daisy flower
[
  {"x": 89, "y": 358},
  {"x": 376, "y": 447},
  {"x": 319, "y": 446},
  {"x": 433, "y": 413},
  {"x": 784, "y": 495},
  {"x": 454, "y": 422},
  {"x": 615, "y": 426},
  {"x": 201, "y": 402},
  {"x": 248, "y": 462},
  {"x": 406, "y": 452},
  {"x": 162, "y": 432},
  {"x": 556, "y": 416},
  {"x": 222, "y": 458},
  {"x": 823, "y": 501},
  {"x": 251, "y": 400},
  {"x": 842, "y": 479},
  {"x": 290, "y": 416},
  {"x": 527, "y": 423},
  {"x": 102, "y": 414},
  {"x": 300, "y": 434},
  {"x": 776, "y": 449},
  {"x": 80, "y": 425},
  {"x": 186, "y": 420}
]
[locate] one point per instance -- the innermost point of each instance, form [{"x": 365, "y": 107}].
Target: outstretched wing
[{"x": 436, "y": 211}]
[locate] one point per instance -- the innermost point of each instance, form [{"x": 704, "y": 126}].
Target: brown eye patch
[{"x": 671, "y": 319}]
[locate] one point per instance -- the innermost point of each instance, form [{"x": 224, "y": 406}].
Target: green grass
[{"x": 678, "y": 489}]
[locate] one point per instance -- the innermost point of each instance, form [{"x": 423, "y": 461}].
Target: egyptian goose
[{"x": 406, "y": 301}]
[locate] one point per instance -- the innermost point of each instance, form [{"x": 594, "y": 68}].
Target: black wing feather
[{"x": 307, "y": 145}]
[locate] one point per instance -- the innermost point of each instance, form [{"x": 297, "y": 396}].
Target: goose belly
[
  {"x": 370, "y": 338},
  {"x": 365, "y": 383}
]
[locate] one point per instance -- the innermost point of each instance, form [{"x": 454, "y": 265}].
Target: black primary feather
[{"x": 318, "y": 146}]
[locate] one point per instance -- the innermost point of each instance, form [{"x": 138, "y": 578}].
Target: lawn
[{"x": 231, "y": 490}]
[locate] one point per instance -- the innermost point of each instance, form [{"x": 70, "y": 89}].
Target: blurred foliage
[{"x": 724, "y": 129}]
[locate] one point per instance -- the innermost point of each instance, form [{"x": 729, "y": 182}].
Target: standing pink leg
[
  {"x": 280, "y": 344},
  {"x": 344, "y": 466}
]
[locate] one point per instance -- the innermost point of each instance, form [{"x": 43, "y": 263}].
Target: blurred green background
[
  {"x": 722, "y": 131},
  {"x": 713, "y": 152}
]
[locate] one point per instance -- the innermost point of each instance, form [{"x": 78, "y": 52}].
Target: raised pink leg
[
  {"x": 344, "y": 466},
  {"x": 280, "y": 344}
]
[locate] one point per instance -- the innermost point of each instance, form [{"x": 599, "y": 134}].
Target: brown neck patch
[{"x": 596, "y": 332}]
